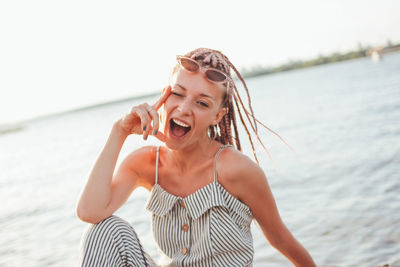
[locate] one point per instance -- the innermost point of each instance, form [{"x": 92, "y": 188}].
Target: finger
[
  {"x": 144, "y": 120},
  {"x": 154, "y": 115},
  {"x": 160, "y": 136},
  {"x": 147, "y": 128},
  {"x": 164, "y": 96}
]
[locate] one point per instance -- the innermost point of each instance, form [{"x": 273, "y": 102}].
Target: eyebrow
[{"x": 204, "y": 95}]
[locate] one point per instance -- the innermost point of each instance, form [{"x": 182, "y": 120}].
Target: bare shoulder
[
  {"x": 140, "y": 155},
  {"x": 238, "y": 173},
  {"x": 141, "y": 162}
]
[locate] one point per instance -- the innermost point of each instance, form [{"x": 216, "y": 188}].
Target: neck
[{"x": 195, "y": 154}]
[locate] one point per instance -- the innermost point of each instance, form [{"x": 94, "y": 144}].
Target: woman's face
[{"x": 194, "y": 105}]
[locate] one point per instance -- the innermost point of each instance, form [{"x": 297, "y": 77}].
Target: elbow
[
  {"x": 85, "y": 216},
  {"x": 278, "y": 243},
  {"x": 82, "y": 215},
  {"x": 280, "y": 238}
]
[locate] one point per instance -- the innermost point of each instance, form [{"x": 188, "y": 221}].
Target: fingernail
[
  {"x": 155, "y": 132},
  {"x": 144, "y": 128}
]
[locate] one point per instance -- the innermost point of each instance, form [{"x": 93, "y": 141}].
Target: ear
[{"x": 220, "y": 115}]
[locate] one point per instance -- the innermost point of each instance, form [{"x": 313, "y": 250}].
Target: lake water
[{"x": 339, "y": 193}]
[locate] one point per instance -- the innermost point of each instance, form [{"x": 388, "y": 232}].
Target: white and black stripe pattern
[
  {"x": 219, "y": 225},
  {"x": 110, "y": 243}
]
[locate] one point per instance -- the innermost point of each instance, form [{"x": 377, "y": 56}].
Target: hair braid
[
  {"x": 247, "y": 93},
  {"x": 228, "y": 129},
  {"x": 233, "y": 118},
  {"x": 247, "y": 130}
]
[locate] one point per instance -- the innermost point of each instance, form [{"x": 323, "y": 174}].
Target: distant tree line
[{"x": 298, "y": 64}]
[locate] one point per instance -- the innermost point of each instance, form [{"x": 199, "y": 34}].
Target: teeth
[{"x": 181, "y": 123}]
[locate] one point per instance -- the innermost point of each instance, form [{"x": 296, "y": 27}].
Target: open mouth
[{"x": 179, "y": 128}]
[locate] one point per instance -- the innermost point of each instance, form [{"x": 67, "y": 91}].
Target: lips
[{"x": 179, "y": 128}]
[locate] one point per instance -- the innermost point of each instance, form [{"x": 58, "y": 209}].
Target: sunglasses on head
[{"x": 192, "y": 65}]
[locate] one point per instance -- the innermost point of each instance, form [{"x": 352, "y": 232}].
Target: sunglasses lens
[
  {"x": 215, "y": 76},
  {"x": 193, "y": 66},
  {"x": 189, "y": 65}
]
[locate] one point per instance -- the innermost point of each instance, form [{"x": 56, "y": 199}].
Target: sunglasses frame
[{"x": 203, "y": 69}]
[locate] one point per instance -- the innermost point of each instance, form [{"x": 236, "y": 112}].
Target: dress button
[
  {"x": 185, "y": 227},
  {"x": 184, "y": 251},
  {"x": 182, "y": 204}
]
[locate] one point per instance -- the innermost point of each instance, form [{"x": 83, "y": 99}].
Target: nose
[{"x": 184, "y": 107}]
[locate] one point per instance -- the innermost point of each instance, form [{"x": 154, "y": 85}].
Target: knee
[
  {"x": 105, "y": 229},
  {"x": 100, "y": 242},
  {"x": 113, "y": 223}
]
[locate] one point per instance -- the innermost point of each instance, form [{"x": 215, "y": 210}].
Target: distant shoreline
[{"x": 320, "y": 60}]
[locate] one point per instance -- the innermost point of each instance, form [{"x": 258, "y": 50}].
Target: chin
[{"x": 173, "y": 144}]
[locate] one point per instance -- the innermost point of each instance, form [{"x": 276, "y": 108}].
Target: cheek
[
  {"x": 167, "y": 105},
  {"x": 167, "y": 109},
  {"x": 205, "y": 119}
]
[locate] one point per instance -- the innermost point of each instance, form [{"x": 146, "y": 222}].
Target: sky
[{"x": 60, "y": 55}]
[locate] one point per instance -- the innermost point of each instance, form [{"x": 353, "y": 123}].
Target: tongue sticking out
[{"x": 178, "y": 130}]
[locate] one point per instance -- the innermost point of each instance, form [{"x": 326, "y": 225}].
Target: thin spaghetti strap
[
  {"x": 157, "y": 156},
  {"x": 215, "y": 160}
]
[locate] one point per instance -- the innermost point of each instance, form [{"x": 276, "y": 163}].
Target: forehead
[{"x": 197, "y": 83}]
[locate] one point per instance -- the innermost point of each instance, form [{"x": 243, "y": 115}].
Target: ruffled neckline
[{"x": 197, "y": 203}]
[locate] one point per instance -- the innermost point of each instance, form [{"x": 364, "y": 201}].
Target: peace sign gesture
[{"x": 138, "y": 120}]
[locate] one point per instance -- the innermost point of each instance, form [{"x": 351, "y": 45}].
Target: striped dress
[{"x": 210, "y": 227}]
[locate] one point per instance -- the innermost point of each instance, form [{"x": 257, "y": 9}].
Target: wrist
[{"x": 117, "y": 129}]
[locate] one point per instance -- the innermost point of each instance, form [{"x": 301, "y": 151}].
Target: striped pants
[{"x": 112, "y": 242}]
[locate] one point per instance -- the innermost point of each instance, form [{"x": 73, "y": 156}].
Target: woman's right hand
[{"x": 138, "y": 120}]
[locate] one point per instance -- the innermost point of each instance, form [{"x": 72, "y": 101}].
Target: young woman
[{"x": 204, "y": 192}]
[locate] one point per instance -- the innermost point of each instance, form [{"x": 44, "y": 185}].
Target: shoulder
[
  {"x": 141, "y": 162},
  {"x": 238, "y": 173},
  {"x": 235, "y": 165},
  {"x": 141, "y": 155},
  {"x": 246, "y": 181}
]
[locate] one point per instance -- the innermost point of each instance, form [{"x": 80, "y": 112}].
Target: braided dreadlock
[{"x": 222, "y": 132}]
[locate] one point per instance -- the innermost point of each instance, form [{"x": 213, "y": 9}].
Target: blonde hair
[{"x": 222, "y": 132}]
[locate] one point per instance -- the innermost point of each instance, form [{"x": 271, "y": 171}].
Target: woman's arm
[
  {"x": 96, "y": 196},
  {"x": 251, "y": 185},
  {"x": 105, "y": 191}
]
